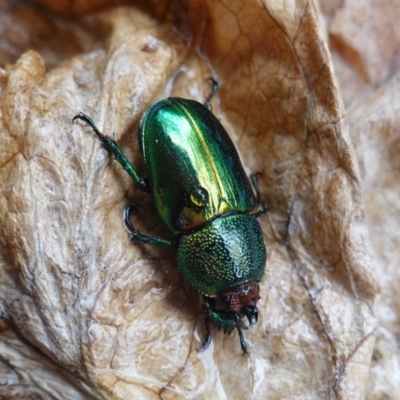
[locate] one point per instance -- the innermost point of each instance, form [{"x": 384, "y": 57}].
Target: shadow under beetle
[{"x": 204, "y": 197}]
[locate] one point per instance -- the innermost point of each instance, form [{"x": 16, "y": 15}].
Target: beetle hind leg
[{"x": 111, "y": 145}]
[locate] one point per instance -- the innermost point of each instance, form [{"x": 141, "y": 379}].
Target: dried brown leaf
[
  {"x": 365, "y": 39},
  {"x": 85, "y": 312}
]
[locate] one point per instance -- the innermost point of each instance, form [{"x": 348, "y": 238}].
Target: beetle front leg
[
  {"x": 111, "y": 145},
  {"x": 228, "y": 324},
  {"x": 242, "y": 341},
  {"x": 134, "y": 234},
  {"x": 207, "y": 339},
  {"x": 208, "y": 307},
  {"x": 222, "y": 319}
]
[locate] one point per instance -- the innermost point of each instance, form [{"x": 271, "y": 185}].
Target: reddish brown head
[{"x": 242, "y": 299}]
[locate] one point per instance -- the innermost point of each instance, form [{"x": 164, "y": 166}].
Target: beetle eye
[{"x": 199, "y": 197}]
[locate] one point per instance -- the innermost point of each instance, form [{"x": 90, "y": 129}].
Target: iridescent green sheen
[
  {"x": 193, "y": 168},
  {"x": 227, "y": 252}
]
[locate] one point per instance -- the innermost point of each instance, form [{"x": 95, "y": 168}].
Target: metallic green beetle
[{"x": 204, "y": 197}]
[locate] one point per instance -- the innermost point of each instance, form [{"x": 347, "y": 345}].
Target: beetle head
[{"x": 242, "y": 299}]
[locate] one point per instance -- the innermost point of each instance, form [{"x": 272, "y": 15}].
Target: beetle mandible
[{"x": 204, "y": 197}]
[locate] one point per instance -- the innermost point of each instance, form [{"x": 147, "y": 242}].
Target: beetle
[{"x": 204, "y": 197}]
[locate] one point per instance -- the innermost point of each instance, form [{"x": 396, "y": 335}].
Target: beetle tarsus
[
  {"x": 222, "y": 319},
  {"x": 89, "y": 121},
  {"x": 214, "y": 88},
  {"x": 262, "y": 208},
  {"x": 242, "y": 342},
  {"x": 111, "y": 145},
  {"x": 254, "y": 181},
  {"x": 135, "y": 235},
  {"x": 207, "y": 339}
]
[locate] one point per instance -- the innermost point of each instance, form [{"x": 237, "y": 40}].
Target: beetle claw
[{"x": 89, "y": 121}]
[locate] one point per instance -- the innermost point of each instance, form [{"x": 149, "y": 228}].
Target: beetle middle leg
[
  {"x": 134, "y": 234},
  {"x": 207, "y": 340},
  {"x": 262, "y": 208}
]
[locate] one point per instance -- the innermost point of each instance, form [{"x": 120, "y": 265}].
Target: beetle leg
[
  {"x": 207, "y": 305},
  {"x": 262, "y": 208},
  {"x": 242, "y": 341},
  {"x": 222, "y": 319},
  {"x": 111, "y": 145},
  {"x": 207, "y": 339},
  {"x": 214, "y": 88},
  {"x": 216, "y": 316},
  {"x": 134, "y": 234},
  {"x": 219, "y": 319}
]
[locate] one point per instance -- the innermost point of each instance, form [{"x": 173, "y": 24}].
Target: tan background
[{"x": 309, "y": 94}]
